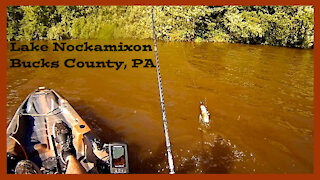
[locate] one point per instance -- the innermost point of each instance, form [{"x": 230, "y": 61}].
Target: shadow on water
[
  {"x": 154, "y": 163},
  {"x": 214, "y": 155}
]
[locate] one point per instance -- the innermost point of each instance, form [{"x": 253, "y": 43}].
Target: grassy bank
[{"x": 291, "y": 26}]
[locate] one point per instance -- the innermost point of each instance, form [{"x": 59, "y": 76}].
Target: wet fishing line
[{"x": 164, "y": 117}]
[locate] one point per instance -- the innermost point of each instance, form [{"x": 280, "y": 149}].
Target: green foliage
[
  {"x": 291, "y": 26},
  {"x": 35, "y": 22},
  {"x": 14, "y": 16}
]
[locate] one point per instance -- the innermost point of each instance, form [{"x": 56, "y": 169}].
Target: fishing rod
[{"x": 164, "y": 116}]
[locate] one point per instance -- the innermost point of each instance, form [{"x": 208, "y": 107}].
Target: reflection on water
[{"x": 260, "y": 101}]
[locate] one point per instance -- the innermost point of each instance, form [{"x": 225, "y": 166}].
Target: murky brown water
[{"x": 260, "y": 99}]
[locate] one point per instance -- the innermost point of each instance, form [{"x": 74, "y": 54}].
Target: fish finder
[{"x": 118, "y": 158}]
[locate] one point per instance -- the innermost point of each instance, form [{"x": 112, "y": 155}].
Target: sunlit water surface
[{"x": 260, "y": 99}]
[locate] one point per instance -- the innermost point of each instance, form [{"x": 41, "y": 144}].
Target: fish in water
[{"x": 204, "y": 117}]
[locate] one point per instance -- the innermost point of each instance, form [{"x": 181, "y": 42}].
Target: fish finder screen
[{"x": 118, "y": 156}]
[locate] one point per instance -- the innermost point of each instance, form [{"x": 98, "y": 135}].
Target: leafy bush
[{"x": 291, "y": 26}]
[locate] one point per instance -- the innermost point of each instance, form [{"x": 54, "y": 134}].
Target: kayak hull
[{"x": 30, "y": 134}]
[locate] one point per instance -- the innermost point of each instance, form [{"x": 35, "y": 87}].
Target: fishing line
[{"x": 164, "y": 117}]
